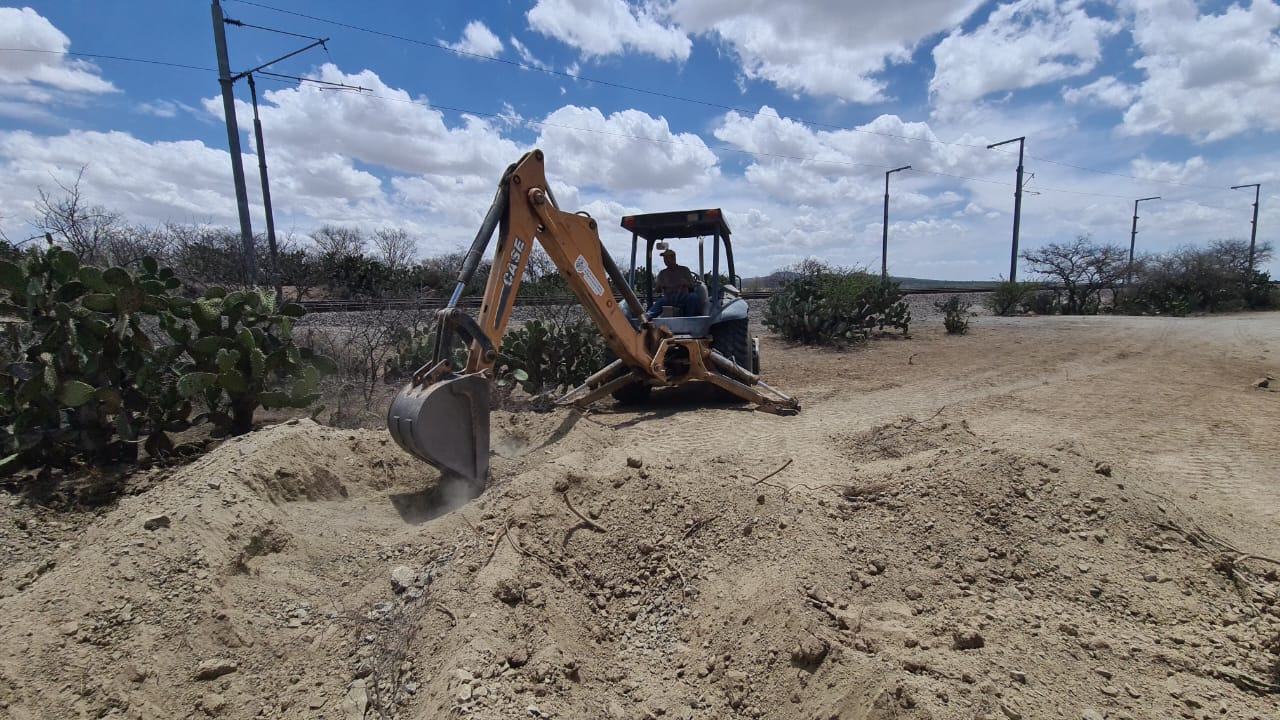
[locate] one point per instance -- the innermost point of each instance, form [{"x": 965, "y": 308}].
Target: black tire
[{"x": 731, "y": 340}]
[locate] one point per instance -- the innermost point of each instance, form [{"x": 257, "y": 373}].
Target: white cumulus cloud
[
  {"x": 384, "y": 126},
  {"x": 26, "y": 30},
  {"x": 609, "y": 27},
  {"x": 1021, "y": 45},
  {"x": 834, "y": 48},
  {"x": 1208, "y": 76},
  {"x": 36, "y": 72},
  {"x": 1106, "y": 91},
  {"x": 627, "y": 151},
  {"x": 799, "y": 163},
  {"x": 477, "y": 39}
]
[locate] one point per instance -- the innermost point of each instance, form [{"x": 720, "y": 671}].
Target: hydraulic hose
[{"x": 497, "y": 211}]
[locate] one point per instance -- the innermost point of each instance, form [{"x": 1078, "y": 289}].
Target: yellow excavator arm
[
  {"x": 442, "y": 415},
  {"x": 572, "y": 240}
]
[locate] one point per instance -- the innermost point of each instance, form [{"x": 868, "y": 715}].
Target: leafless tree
[
  {"x": 86, "y": 230},
  {"x": 1234, "y": 254},
  {"x": 299, "y": 268},
  {"x": 1083, "y": 268},
  {"x": 132, "y": 243},
  {"x": 205, "y": 255},
  {"x": 440, "y": 273},
  {"x": 339, "y": 241},
  {"x": 396, "y": 248}
]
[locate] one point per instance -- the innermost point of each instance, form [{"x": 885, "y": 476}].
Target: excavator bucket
[{"x": 446, "y": 423}]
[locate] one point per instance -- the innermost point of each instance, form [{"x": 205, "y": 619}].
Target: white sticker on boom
[{"x": 585, "y": 271}]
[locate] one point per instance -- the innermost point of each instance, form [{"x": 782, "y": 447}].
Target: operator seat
[{"x": 704, "y": 304}]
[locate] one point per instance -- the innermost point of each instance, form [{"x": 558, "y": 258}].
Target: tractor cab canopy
[
  {"x": 657, "y": 228},
  {"x": 685, "y": 224}
]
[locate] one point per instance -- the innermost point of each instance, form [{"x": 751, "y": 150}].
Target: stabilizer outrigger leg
[
  {"x": 721, "y": 372},
  {"x": 610, "y": 379}
]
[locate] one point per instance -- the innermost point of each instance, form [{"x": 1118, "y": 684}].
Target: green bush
[
  {"x": 1010, "y": 297},
  {"x": 87, "y": 377},
  {"x": 83, "y": 378},
  {"x": 826, "y": 306},
  {"x": 242, "y": 356},
  {"x": 540, "y": 355},
  {"x": 955, "y": 314},
  {"x": 1043, "y": 302},
  {"x": 1201, "y": 279},
  {"x": 544, "y": 355},
  {"x": 413, "y": 350}
]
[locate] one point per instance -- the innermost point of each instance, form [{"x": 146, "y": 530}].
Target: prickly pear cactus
[
  {"x": 95, "y": 363},
  {"x": 836, "y": 307},
  {"x": 79, "y": 373},
  {"x": 242, "y": 356}
]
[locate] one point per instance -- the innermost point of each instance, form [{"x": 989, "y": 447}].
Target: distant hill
[{"x": 912, "y": 283}]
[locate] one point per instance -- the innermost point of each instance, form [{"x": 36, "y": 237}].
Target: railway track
[{"x": 325, "y": 306}]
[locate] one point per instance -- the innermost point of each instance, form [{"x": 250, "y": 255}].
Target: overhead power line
[
  {"x": 98, "y": 56},
  {"x": 366, "y": 93},
  {"x": 682, "y": 98},
  {"x": 241, "y": 23}
]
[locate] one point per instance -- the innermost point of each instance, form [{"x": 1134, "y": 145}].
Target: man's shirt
[{"x": 676, "y": 281}]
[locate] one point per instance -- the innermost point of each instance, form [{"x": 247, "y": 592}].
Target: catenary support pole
[
  {"x": 884, "y": 237},
  {"x": 1253, "y": 234},
  {"x": 1133, "y": 238},
  {"x": 233, "y": 143},
  {"x": 266, "y": 197},
  {"x": 1017, "y": 205}
]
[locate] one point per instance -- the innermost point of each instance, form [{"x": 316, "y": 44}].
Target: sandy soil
[{"x": 1046, "y": 518}]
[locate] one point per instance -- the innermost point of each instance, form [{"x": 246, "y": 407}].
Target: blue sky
[{"x": 785, "y": 114}]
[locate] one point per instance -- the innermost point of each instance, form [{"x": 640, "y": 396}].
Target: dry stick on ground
[
  {"x": 785, "y": 465},
  {"x": 698, "y": 525},
  {"x": 786, "y": 490},
  {"x": 591, "y": 524},
  {"x": 913, "y": 422},
  {"x": 675, "y": 569},
  {"x": 506, "y": 525},
  {"x": 445, "y": 609},
  {"x": 1199, "y": 536},
  {"x": 1202, "y": 538},
  {"x": 553, "y": 564}
]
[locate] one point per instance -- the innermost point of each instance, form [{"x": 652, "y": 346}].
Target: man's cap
[{"x": 667, "y": 252}]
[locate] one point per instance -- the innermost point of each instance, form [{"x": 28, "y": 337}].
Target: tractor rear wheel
[{"x": 730, "y": 339}]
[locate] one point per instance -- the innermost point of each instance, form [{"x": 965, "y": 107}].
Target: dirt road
[{"x": 1045, "y": 518}]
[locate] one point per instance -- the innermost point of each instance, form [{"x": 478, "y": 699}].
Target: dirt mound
[
  {"x": 947, "y": 576},
  {"x": 980, "y": 527}
]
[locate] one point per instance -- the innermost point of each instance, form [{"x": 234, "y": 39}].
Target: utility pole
[
  {"x": 1017, "y": 205},
  {"x": 1253, "y": 234},
  {"x": 266, "y": 197},
  {"x": 1133, "y": 237},
  {"x": 233, "y": 142},
  {"x": 884, "y": 239}
]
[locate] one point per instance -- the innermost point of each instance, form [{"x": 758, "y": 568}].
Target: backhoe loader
[{"x": 442, "y": 415}]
